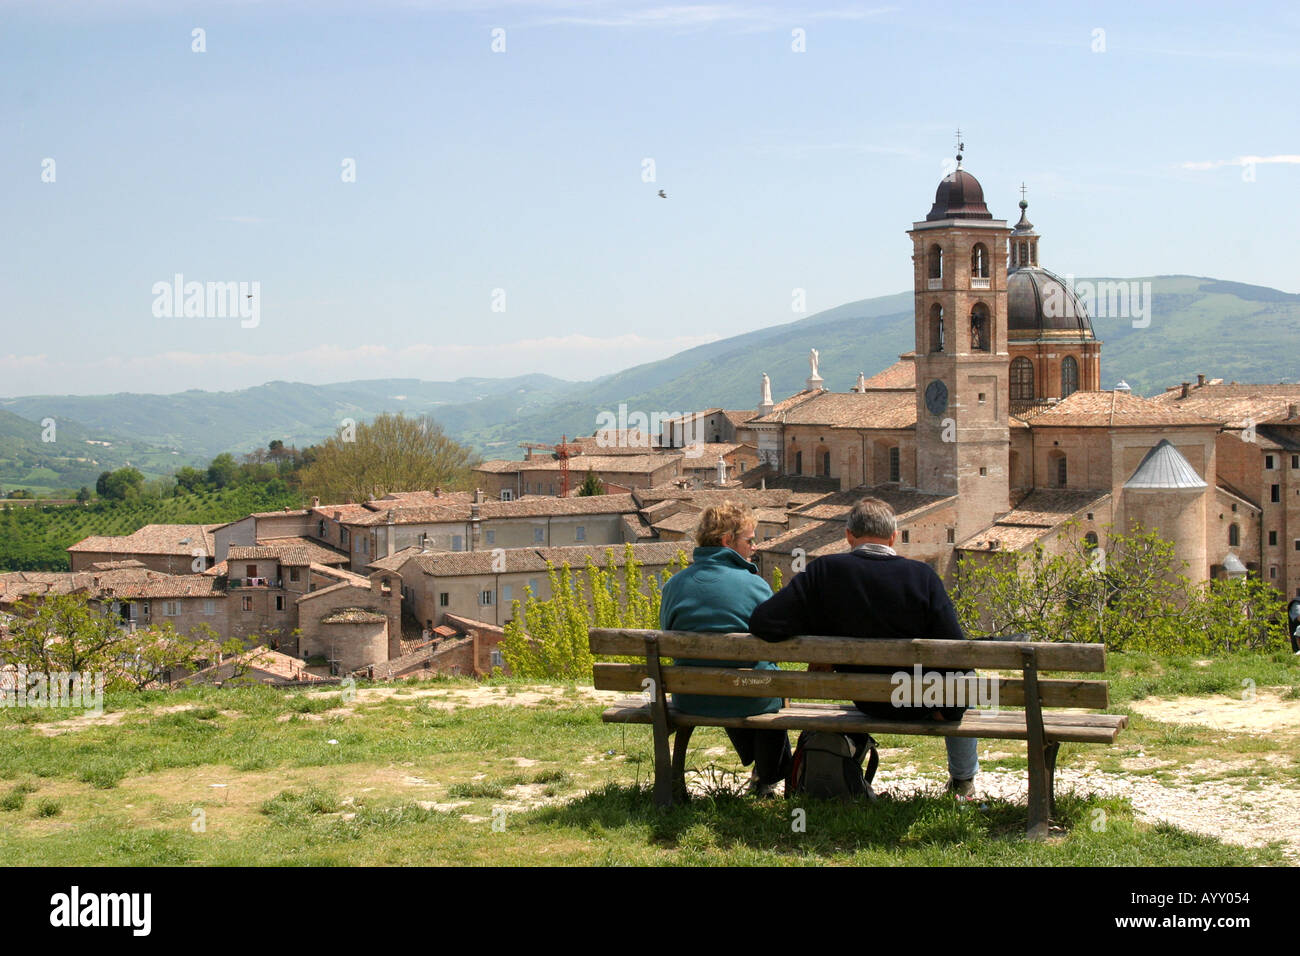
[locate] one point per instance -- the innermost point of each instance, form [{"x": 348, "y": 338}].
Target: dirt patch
[
  {"x": 1268, "y": 712},
  {"x": 80, "y": 722}
]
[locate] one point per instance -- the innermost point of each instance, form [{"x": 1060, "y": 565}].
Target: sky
[{"x": 444, "y": 189}]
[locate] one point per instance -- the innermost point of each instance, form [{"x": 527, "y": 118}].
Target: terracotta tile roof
[
  {"x": 1113, "y": 409},
  {"x": 1048, "y": 507},
  {"x": 172, "y": 586},
  {"x": 286, "y": 513},
  {"x": 836, "y": 507},
  {"x": 639, "y": 527},
  {"x": 771, "y": 516},
  {"x": 815, "y": 538},
  {"x": 1039, "y": 514},
  {"x": 520, "y": 560},
  {"x": 291, "y": 552},
  {"x": 739, "y": 416},
  {"x": 874, "y": 409},
  {"x": 774, "y": 417},
  {"x": 1235, "y": 405},
  {"x": 116, "y": 565},
  {"x": 395, "y": 560},
  {"x": 347, "y": 514},
  {"x": 1008, "y": 538},
  {"x": 704, "y": 497},
  {"x": 174, "y": 539},
  {"x": 127, "y": 583},
  {"x": 902, "y": 374},
  {"x": 578, "y": 464},
  {"x": 628, "y": 441},
  {"x": 538, "y": 505},
  {"x": 683, "y": 521}
]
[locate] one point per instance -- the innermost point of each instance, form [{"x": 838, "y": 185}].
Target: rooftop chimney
[
  {"x": 1293, "y": 411},
  {"x": 1200, "y": 380},
  {"x": 1187, "y": 387},
  {"x": 478, "y": 496},
  {"x": 315, "y": 501},
  {"x": 437, "y": 492}
]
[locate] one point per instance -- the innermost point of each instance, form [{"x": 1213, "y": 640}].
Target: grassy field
[{"x": 453, "y": 772}]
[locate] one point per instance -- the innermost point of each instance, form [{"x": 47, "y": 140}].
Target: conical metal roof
[{"x": 1164, "y": 467}]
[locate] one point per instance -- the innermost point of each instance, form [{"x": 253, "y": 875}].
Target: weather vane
[
  {"x": 961, "y": 147},
  {"x": 1022, "y": 191}
]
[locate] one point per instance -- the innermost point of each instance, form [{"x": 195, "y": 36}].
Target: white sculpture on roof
[
  {"x": 812, "y": 361},
  {"x": 767, "y": 390}
]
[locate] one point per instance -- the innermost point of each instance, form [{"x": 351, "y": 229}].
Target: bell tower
[{"x": 962, "y": 390}]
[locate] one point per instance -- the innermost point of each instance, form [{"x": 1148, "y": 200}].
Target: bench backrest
[{"x": 912, "y": 658}]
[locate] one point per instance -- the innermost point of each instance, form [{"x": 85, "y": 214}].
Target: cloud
[
  {"x": 1289, "y": 159},
  {"x": 578, "y": 357}
]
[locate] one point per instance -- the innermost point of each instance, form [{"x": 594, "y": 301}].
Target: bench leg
[
  {"x": 1040, "y": 800},
  {"x": 1040, "y": 778},
  {"x": 1050, "y": 759},
  {"x": 679, "y": 761}
]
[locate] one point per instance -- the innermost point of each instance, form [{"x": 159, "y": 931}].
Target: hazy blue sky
[{"x": 522, "y": 170}]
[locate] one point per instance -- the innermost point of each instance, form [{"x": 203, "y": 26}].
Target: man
[{"x": 873, "y": 592}]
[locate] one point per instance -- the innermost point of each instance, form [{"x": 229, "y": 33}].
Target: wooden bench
[{"x": 1043, "y": 731}]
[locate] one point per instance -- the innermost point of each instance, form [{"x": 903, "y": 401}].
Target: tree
[
  {"x": 65, "y": 633},
  {"x": 548, "y": 639},
  {"x": 190, "y": 480},
  {"x": 83, "y": 495},
  {"x": 223, "y": 470},
  {"x": 120, "y": 485},
  {"x": 591, "y": 485},
  {"x": 392, "y": 453},
  {"x": 1130, "y": 595}
]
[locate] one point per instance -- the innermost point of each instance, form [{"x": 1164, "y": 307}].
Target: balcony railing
[
  {"x": 254, "y": 582},
  {"x": 979, "y": 283}
]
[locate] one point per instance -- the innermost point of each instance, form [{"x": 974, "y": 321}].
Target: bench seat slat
[
  {"x": 1061, "y": 717},
  {"x": 1089, "y": 658},
  {"x": 850, "y": 720},
  {"x": 747, "y": 682}
]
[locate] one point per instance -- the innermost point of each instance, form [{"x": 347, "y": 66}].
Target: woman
[{"x": 717, "y": 593}]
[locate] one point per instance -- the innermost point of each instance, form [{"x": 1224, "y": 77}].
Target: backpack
[{"x": 826, "y": 766}]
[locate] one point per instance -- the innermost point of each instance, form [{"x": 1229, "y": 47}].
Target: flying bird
[{"x": 662, "y": 194}]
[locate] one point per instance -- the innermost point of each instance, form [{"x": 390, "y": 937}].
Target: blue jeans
[{"x": 963, "y": 757}]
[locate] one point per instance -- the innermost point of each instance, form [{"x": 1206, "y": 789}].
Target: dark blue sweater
[{"x": 860, "y": 594}]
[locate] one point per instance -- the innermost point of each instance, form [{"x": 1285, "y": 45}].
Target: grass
[{"x": 411, "y": 782}]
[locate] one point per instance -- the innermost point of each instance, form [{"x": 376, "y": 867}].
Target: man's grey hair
[{"x": 872, "y": 518}]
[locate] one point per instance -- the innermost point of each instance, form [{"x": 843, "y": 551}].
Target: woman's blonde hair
[{"x": 717, "y": 520}]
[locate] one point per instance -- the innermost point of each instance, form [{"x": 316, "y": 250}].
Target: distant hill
[{"x": 1224, "y": 329}]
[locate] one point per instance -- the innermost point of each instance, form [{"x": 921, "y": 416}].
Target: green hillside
[
  {"x": 74, "y": 458},
  {"x": 1191, "y": 319},
  {"x": 35, "y": 538}
]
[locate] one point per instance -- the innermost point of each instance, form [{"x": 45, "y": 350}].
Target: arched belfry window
[
  {"x": 936, "y": 328},
  {"x": 936, "y": 262},
  {"x": 1069, "y": 376},
  {"x": 979, "y": 262},
  {"x": 979, "y": 329},
  {"x": 1022, "y": 380}
]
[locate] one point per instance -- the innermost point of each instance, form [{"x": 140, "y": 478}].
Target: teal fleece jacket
[{"x": 716, "y": 593}]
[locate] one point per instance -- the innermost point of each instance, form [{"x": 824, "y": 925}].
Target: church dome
[
  {"x": 1041, "y": 305},
  {"x": 959, "y": 196}
]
